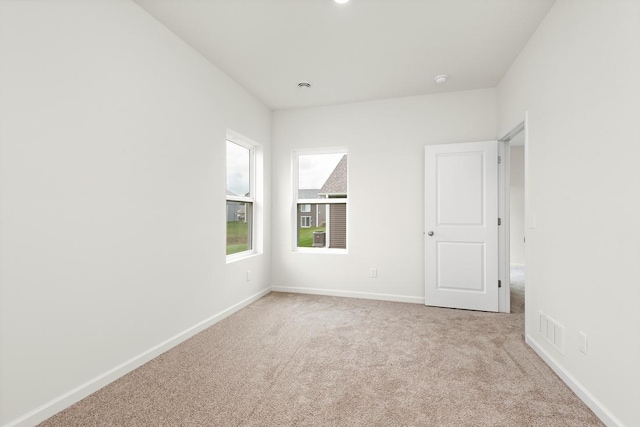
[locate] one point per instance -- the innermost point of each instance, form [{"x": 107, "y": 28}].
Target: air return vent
[{"x": 552, "y": 331}]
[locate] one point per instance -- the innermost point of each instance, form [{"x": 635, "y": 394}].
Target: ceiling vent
[{"x": 442, "y": 78}]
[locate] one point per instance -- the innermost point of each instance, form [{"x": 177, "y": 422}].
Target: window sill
[
  {"x": 242, "y": 256},
  {"x": 322, "y": 251}
]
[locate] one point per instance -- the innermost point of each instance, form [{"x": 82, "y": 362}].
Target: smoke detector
[
  {"x": 304, "y": 85},
  {"x": 441, "y": 78}
]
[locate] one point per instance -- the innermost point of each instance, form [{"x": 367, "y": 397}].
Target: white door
[{"x": 461, "y": 225}]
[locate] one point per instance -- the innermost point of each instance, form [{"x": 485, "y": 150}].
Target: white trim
[
  {"x": 327, "y": 227},
  {"x": 78, "y": 393},
  {"x": 240, "y": 139},
  {"x": 336, "y": 201},
  {"x": 318, "y": 215},
  {"x": 514, "y": 132},
  {"x": 324, "y": 250},
  {"x": 580, "y": 390},
  {"x": 302, "y": 217},
  {"x": 527, "y": 289},
  {"x": 504, "y": 249},
  {"x": 513, "y": 264},
  {"x": 505, "y": 211},
  {"x": 240, "y": 199},
  {"x": 326, "y": 150},
  {"x": 255, "y": 195},
  {"x": 241, "y": 255},
  {"x": 335, "y": 195},
  {"x": 349, "y": 294},
  {"x": 295, "y": 158}
]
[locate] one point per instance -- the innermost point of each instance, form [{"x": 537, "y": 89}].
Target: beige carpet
[
  {"x": 301, "y": 360},
  {"x": 517, "y": 278}
]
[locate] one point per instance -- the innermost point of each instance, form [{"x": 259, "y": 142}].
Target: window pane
[
  {"x": 325, "y": 226},
  {"x": 239, "y": 226},
  {"x": 322, "y": 176},
  {"x": 238, "y": 170}
]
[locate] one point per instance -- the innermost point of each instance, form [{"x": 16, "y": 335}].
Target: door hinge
[
  {"x": 499, "y": 159},
  {"x": 499, "y": 283},
  {"x": 499, "y": 221}
]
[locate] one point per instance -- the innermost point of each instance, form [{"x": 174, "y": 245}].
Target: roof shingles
[{"x": 337, "y": 181}]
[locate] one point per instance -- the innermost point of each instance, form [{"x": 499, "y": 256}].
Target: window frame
[
  {"x": 308, "y": 221},
  {"x": 324, "y": 201},
  {"x": 244, "y": 142}
]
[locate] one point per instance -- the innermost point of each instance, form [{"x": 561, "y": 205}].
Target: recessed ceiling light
[
  {"x": 340, "y": 1},
  {"x": 304, "y": 85},
  {"x": 441, "y": 78}
]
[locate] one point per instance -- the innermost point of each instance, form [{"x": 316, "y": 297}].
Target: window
[
  {"x": 321, "y": 190},
  {"x": 240, "y": 197}
]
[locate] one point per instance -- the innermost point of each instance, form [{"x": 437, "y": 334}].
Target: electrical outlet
[
  {"x": 248, "y": 275},
  {"x": 373, "y": 273},
  {"x": 582, "y": 342}
]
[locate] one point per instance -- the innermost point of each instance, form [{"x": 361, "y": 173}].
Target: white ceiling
[{"x": 361, "y": 50}]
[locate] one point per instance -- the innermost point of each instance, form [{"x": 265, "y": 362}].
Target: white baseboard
[
  {"x": 594, "y": 404},
  {"x": 349, "y": 294},
  {"x": 69, "y": 398},
  {"x": 72, "y": 396}
]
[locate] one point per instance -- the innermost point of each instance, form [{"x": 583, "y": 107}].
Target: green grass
[
  {"x": 305, "y": 236},
  {"x": 237, "y": 237}
]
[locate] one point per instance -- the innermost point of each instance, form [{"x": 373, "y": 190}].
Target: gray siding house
[
  {"x": 336, "y": 188},
  {"x": 333, "y": 215},
  {"x": 311, "y": 215}
]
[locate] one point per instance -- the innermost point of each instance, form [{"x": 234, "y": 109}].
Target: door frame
[{"x": 504, "y": 266}]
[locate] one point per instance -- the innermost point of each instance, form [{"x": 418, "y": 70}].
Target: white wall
[
  {"x": 516, "y": 204},
  {"x": 112, "y": 188},
  {"x": 578, "y": 79},
  {"x": 386, "y": 142}
]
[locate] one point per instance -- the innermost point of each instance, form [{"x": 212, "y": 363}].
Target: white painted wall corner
[
  {"x": 76, "y": 394},
  {"x": 581, "y": 391}
]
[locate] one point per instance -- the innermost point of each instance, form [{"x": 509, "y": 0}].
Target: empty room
[{"x": 319, "y": 212}]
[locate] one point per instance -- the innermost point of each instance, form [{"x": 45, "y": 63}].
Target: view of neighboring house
[
  {"x": 236, "y": 211},
  {"x": 336, "y": 187},
  {"x": 336, "y": 184},
  {"x": 334, "y": 216},
  {"x": 311, "y": 215}
]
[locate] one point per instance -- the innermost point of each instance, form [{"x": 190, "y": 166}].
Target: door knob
[{"x": 430, "y": 233}]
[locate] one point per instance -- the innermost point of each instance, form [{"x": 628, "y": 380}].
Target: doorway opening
[
  {"x": 516, "y": 223},
  {"x": 513, "y": 184}
]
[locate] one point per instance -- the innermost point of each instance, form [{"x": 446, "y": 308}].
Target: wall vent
[{"x": 552, "y": 331}]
